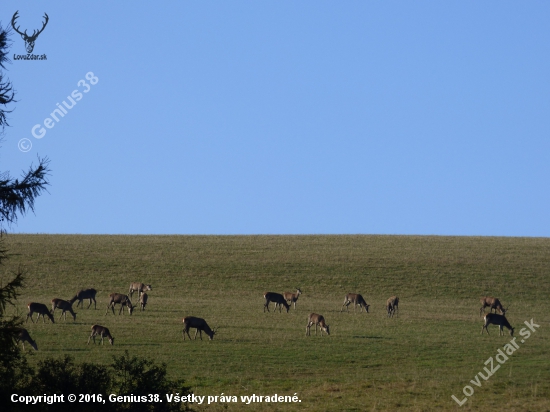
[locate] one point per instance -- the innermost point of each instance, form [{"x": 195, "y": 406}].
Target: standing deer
[
  {"x": 124, "y": 300},
  {"x": 356, "y": 299},
  {"x": 492, "y": 303},
  {"x": 292, "y": 297},
  {"x": 199, "y": 324},
  {"x": 39, "y": 308},
  {"x": 392, "y": 306},
  {"x": 64, "y": 306},
  {"x": 85, "y": 294},
  {"x": 316, "y": 319},
  {"x": 102, "y": 332},
  {"x": 499, "y": 320},
  {"x": 278, "y": 299},
  {"x": 138, "y": 287},
  {"x": 143, "y": 301},
  {"x": 23, "y": 336}
]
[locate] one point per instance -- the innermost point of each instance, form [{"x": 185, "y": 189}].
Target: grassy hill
[{"x": 369, "y": 362}]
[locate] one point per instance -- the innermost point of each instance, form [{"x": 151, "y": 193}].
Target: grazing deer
[
  {"x": 138, "y": 287},
  {"x": 124, "y": 300},
  {"x": 493, "y": 303},
  {"x": 102, "y": 332},
  {"x": 316, "y": 319},
  {"x": 392, "y": 305},
  {"x": 356, "y": 299},
  {"x": 85, "y": 294},
  {"x": 499, "y": 320},
  {"x": 23, "y": 336},
  {"x": 143, "y": 301},
  {"x": 199, "y": 324},
  {"x": 39, "y": 308},
  {"x": 278, "y": 299},
  {"x": 292, "y": 297},
  {"x": 64, "y": 306}
]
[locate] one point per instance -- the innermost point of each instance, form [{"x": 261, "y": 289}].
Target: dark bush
[
  {"x": 126, "y": 376},
  {"x": 141, "y": 377}
]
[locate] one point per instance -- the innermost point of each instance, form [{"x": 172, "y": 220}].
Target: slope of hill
[{"x": 415, "y": 361}]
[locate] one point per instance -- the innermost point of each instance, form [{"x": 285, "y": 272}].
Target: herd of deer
[
  {"x": 392, "y": 308},
  {"x": 281, "y": 300},
  {"x": 287, "y": 298},
  {"x": 67, "y": 306}
]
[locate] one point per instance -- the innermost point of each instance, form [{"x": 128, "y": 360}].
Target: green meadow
[{"x": 413, "y": 362}]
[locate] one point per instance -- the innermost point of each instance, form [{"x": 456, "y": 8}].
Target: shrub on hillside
[{"x": 126, "y": 376}]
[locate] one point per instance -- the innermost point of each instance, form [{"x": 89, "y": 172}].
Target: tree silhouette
[
  {"x": 127, "y": 374},
  {"x": 17, "y": 196},
  {"x": 6, "y": 90}
]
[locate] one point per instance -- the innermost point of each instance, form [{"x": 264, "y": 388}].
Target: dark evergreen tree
[
  {"x": 127, "y": 375},
  {"x": 17, "y": 196}
]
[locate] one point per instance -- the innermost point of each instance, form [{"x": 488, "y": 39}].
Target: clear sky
[{"x": 286, "y": 117}]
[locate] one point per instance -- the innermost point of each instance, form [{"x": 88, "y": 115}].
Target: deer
[
  {"x": 138, "y": 287},
  {"x": 199, "y": 324},
  {"x": 39, "y": 308},
  {"x": 278, "y": 299},
  {"x": 85, "y": 294},
  {"x": 356, "y": 299},
  {"x": 493, "y": 303},
  {"x": 103, "y": 332},
  {"x": 29, "y": 40},
  {"x": 499, "y": 320},
  {"x": 316, "y": 319},
  {"x": 143, "y": 301},
  {"x": 292, "y": 297},
  {"x": 23, "y": 336},
  {"x": 124, "y": 300},
  {"x": 392, "y": 306},
  {"x": 64, "y": 306}
]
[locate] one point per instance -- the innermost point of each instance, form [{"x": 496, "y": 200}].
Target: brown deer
[
  {"x": 292, "y": 297},
  {"x": 199, "y": 324},
  {"x": 356, "y": 299},
  {"x": 138, "y": 287},
  {"x": 316, "y": 319},
  {"x": 23, "y": 336},
  {"x": 499, "y": 320},
  {"x": 85, "y": 294},
  {"x": 102, "y": 332},
  {"x": 143, "y": 301},
  {"x": 64, "y": 306},
  {"x": 492, "y": 303},
  {"x": 278, "y": 299},
  {"x": 124, "y": 300},
  {"x": 39, "y": 308},
  {"x": 392, "y": 306}
]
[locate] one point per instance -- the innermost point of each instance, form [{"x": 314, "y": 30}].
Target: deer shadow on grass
[
  {"x": 140, "y": 344},
  {"x": 369, "y": 337}
]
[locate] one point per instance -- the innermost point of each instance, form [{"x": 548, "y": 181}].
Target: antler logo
[{"x": 29, "y": 40}]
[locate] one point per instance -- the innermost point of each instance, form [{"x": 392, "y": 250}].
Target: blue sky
[{"x": 285, "y": 117}]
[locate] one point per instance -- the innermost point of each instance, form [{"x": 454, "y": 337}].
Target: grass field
[{"x": 369, "y": 362}]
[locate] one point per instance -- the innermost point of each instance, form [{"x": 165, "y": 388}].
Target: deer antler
[
  {"x": 15, "y": 16},
  {"x": 34, "y": 34}
]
